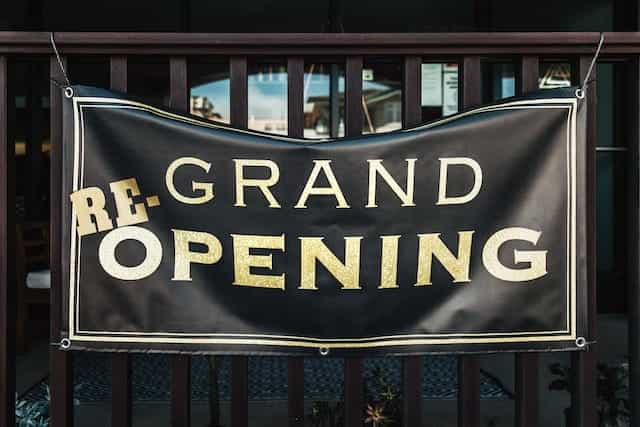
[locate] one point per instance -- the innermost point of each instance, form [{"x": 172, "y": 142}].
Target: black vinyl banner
[{"x": 461, "y": 235}]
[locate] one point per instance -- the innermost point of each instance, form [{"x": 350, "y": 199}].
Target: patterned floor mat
[{"x": 267, "y": 378}]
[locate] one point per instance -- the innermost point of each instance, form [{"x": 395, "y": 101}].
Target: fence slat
[
  {"x": 120, "y": 362},
  {"x": 526, "y": 364},
  {"x": 353, "y": 381},
  {"x": 412, "y": 365},
  {"x": 583, "y": 363},
  {"x": 239, "y": 364},
  {"x": 7, "y": 266},
  {"x": 296, "y": 391},
  {"x": 632, "y": 108},
  {"x": 239, "y": 391},
  {"x": 118, "y": 73},
  {"x": 60, "y": 362},
  {"x": 121, "y": 390},
  {"x": 180, "y": 363},
  {"x": 295, "y": 125},
  {"x": 468, "y": 366},
  {"x": 295, "y": 95},
  {"x": 353, "y": 92}
]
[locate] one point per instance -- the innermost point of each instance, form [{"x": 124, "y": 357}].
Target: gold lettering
[
  {"x": 243, "y": 260},
  {"x": 123, "y": 193},
  {"x": 389, "y": 262},
  {"x": 184, "y": 257},
  {"x": 89, "y": 203},
  {"x": 431, "y": 245},
  {"x": 312, "y": 249}
]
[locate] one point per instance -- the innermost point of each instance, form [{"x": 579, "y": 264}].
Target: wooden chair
[{"x": 33, "y": 275}]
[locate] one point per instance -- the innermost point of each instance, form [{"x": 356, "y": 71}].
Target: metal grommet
[
  {"x": 579, "y": 93},
  {"x": 323, "y": 351},
  {"x": 581, "y": 342},
  {"x": 68, "y": 92},
  {"x": 65, "y": 343}
]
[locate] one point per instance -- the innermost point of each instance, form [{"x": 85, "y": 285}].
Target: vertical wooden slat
[
  {"x": 180, "y": 363},
  {"x": 412, "y": 365},
  {"x": 583, "y": 363},
  {"x": 238, "y": 91},
  {"x": 239, "y": 391},
  {"x": 526, "y": 364},
  {"x": 353, "y": 380},
  {"x": 121, "y": 390},
  {"x": 411, "y": 91},
  {"x": 60, "y": 362},
  {"x": 296, "y": 391},
  {"x": 120, "y": 362},
  {"x": 295, "y": 115},
  {"x": 118, "y": 73},
  {"x": 526, "y": 389},
  {"x": 34, "y": 137},
  {"x": 632, "y": 104},
  {"x": 353, "y": 391},
  {"x": 7, "y": 266},
  {"x": 468, "y": 366},
  {"x": 239, "y": 364},
  {"x": 295, "y": 95},
  {"x": 353, "y": 91}
]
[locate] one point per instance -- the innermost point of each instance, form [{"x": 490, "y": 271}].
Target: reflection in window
[
  {"x": 209, "y": 90},
  {"x": 554, "y": 75},
  {"x": 439, "y": 95},
  {"x": 498, "y": 81},
  {"x": 267, "y": 98},
  {"x": 382, "y": 96},
  {"x": 323, "y": 100}
]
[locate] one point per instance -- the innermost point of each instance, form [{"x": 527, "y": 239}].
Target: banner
[{"x": 466, "y": 234}]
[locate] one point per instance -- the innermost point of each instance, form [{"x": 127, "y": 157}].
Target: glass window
[
  {"x": 611, "y": 158},
  {"x": 439, "y": 95},
  {"x": 209, "y": 90},
  {"x": 28, "y": 117},
  {"x": 323, "y": 100},
  {"x": 381, "y": 96},
  {"x": 148, "y": 78},
  {"x": 267, "y": 98},
  {"x": 498, "y": 81}
]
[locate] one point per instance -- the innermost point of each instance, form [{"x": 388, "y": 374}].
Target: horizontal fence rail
[
  {"x": 325, "y": 44},
  {"x": 469, "y": 50}
]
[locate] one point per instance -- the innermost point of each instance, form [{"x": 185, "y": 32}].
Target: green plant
[
  {"x": 32, "y": 414},
  {"x": 384, "y": 407},
  {"x": 325, "y": 414},
  {"x": 612, "y": 391},
  {"x": 613, "y": 394},
  {"x": 36, "y": 413}
]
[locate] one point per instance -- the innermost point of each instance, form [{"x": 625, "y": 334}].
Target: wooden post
[{"x": 7, "y": 264}]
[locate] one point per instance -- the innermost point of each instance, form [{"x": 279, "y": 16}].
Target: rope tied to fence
[
  {"x": 581, "y": 91},
  {"x": 60, "y": 64}
]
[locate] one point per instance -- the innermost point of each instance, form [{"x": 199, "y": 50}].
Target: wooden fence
[{"x": 527, "y": 50}]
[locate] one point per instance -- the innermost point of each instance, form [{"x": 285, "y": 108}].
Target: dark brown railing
[{"x": 468, "y": 49}]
